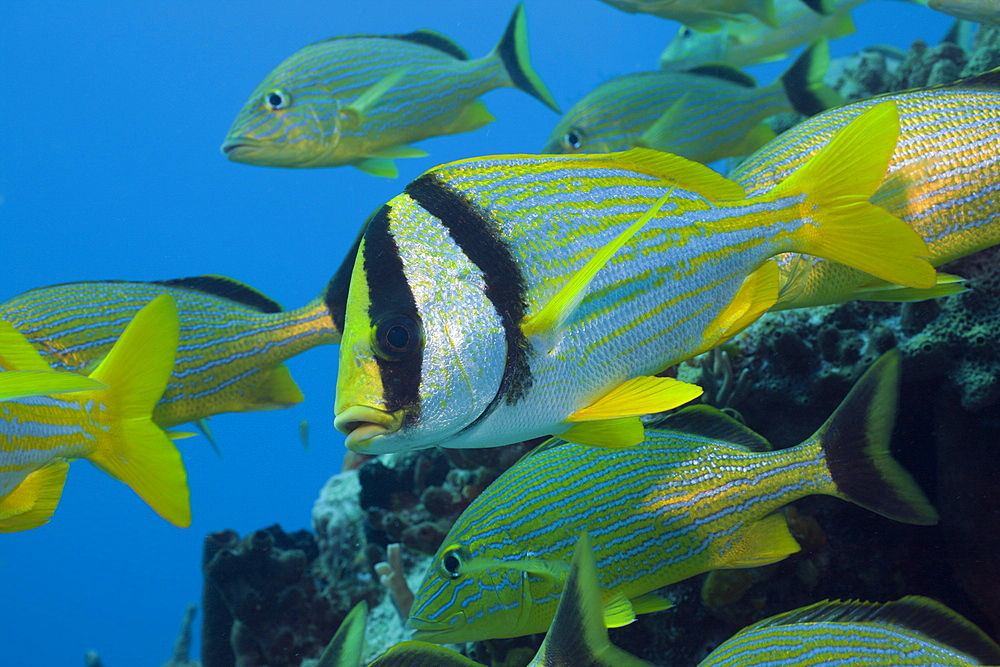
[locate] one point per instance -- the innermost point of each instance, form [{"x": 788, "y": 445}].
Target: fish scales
[{"x": 227, "y": 353}]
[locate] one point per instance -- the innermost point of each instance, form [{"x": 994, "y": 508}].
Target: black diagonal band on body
[
  {"x": 389, "y": 294},
  {"x": 478, "y": 237}
]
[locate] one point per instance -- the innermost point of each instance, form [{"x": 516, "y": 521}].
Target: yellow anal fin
[
  {"x": 547, "y": 322},
  {"x": 34, "y": 500},
  {"x": 16, "y": 353},
  {"x": 764, "y": 542},
  {"x": 756, "y": 295},
  {"x": 377, "y": 167},
  {"x": 357, "y": 109},
  {"x": 610, "y": 433},
  {"x": 278, "y": 392},
  {"x": 838, "y": 181},
  {"x": 21, "y": 384},
  {"x": 472, "y": 117},
  {"x": 947, "y": 285},
  {"x": 395, "y": 152},
  {"x": 638, "y": 396}
]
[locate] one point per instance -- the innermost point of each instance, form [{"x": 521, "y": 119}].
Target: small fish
[
  {"x": 980, "y": 11},
  {"x": 111, "y": 427},
  {"x": 233, "y": 339},
  {"x": 942, "y": 179},
  {"x": 702, "y": 492},
  {"x": 705, "y": 15},
  {"x": 504, "y": 298},
  {"x": 745, "y": 43},
  {"x": 362, "y": 99},
  {"x": 705, "y": 114},
  {"x": 913, "y": 630}
]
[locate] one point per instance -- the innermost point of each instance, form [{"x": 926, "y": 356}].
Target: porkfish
[
  {"x": 233, "y": 339},
  {"x": 702, "y": 492},
  {"x": 705, "y": 114},
  {"x": 110, "y": 425},
  {"x": 942, "y": 180},
  {"x": 705, "y": 15},
  {"x": 504, "y": 298},
  {"x": 361, "y": 100},
  {"x": 913, "y": 630}
]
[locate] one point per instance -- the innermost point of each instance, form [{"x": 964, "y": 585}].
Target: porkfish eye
[
  {"x": 277, "y": 99},
  {"x": 396, "y": 337},
  {"x": 452, "y": 560},
  {"x": 573, "y": 139}
]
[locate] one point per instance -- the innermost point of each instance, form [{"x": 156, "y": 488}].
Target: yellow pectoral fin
[
  {"x": 765, "y": 542},
  {"x": 638, "y": 396},
  {"x": 16, "y": 353},
  {"x": 547, "y": 321},
  {"x": 21, "y": 384},
  {"x": 357, "y": 109},
  {"x": 756, "y": 295},
  {"x": 754, "y": 139},
  {"x": 610, "y": 433},
  {"x": 34, "y": 500},
  {"x": 618, "y": 611}
]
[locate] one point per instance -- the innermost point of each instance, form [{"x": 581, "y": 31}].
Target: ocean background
[{"x": 111, "y": 117}]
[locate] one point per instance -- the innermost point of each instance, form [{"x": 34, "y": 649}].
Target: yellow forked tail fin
[
  {"x": 137, "y": 451},
  {"x": 838, "y": 181}
]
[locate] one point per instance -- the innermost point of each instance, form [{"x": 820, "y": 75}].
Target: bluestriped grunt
[
  {"x": 980, "y": 11},
  {"x": 233, "y": 339},
  {"x": 702, "y": 492},
  {"x": 941, "y": 181},
  {"x": 112, "y": 427},
  {"x": 504, "y": 298},
  {"x": 362, "y": 99},
  {"x": 705, "y": 15},
  {"x": 704, "y": 114},
  {"x": 914, "y": 630}
]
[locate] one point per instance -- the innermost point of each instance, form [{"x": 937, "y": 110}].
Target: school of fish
[{"x": 502, "y": 298}]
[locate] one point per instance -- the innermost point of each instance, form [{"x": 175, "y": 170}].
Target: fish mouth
[
  {"x": 237, "y": 148},
  {"x": 363, "y": 425},
  {"x": 426, "y": 631}
]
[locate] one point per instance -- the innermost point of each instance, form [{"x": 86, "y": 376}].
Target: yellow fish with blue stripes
[
  {"x": 233, "y": 339},
  {"x": 705, "y": 15},
  {"x": 941, "y": 180},
  {"x": 112, "y": 427},
  {"x": 361, "y": 100},
  {"x": 702, "y": 492},
  {"x": 500, "y": 299}
]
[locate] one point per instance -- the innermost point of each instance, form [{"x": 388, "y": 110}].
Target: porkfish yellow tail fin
[
  {"x": 137, "y": 451},
  {"x": 21, "y": 384},
  {"x": 513, "y": 53},
  {"x": 847, "y": 228},
  {"x": 855, "y": 444},
  {"x": 578, "y": 635},
  {"x": 33, "y": 502}
]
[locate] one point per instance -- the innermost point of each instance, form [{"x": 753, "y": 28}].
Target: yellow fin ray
[
  {"x": 377, "y": 167},
  {"x": 764, "y": 542},
  {"x": 357, "y": 109},
  {"x": 279, "y": 391},
  {"x": 618, "y": 611},
  {"x": 33, "y": 502},
  {"x": 838, "y": 181},
  {"x": 756, "y": 295},
  {"x": 639, "y": 396},
  {"x": 472, "y": 117},
  {"x": 610, "y": 433},
  {"x": 21, "y": 384},
  {"x": 684, "y": 173},
  {"x": 400, "y": 151}
]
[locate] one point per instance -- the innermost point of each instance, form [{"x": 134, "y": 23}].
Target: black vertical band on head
[
  {"x": 478, "y": 238},
  {"x": 335, "y": 294},
  {"x": 390, "y": 294}
]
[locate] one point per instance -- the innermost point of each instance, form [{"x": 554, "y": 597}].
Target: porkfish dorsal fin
[
  {"x": 682, "y": 172},
  {"x": 913, "y": 612},
  {"x": 16, "y": 353},
  {"x": 226, "y": 288},
  {"x": 578, "y": 635},
  {"x": 713, "y": 424},
  {"x": 548, "y": 321},
  {"x": 22, "y": 384},
  {"x": 347, "y": 645}
]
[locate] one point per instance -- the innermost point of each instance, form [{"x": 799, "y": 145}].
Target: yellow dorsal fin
[
  {"x": 547, "y": 321},
  {"x": 357, "y": 109},
  {"x": 764, "y": 542},
  {"x": 277, "y": 392},
  {"x": 20, "y": 384},
  {"x": 618, "y": 611},
  {"x": 684, "y": 173},
  {"x": 756, "y": 295},
  {"x": 16, "y": 353},
  {"x": 838, "y": 181},
  {"x": 136, "y": 450},
  {"x": 638, "y": 396},
  {"x": 610, "y": 433},
  {"x": 32, "y": 503}
]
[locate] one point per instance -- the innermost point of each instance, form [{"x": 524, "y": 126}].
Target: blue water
[{"x": 112, "y": 114}]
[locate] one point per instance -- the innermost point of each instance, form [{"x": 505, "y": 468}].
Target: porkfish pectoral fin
[
  {"x": 357, "y": 109},
  {"x": 16, "y": 353},
  {"x": 473, "y": 116},
  {"x": 684, "y": 173},
  {"x": 547, "y": 322},
  {"x": 377, "y": 167},
  {"x": 639, "y": 396},
  {"x": 764, "y": 542},
  {"x": 756, "y": 295},
  {"x": 277, "y": 392},
  {"x": 838, "y": 182},
  {"x": 33, "y": 502},
  {"x": 21, "y": 384},
  {"x": 947, "y": 285}
]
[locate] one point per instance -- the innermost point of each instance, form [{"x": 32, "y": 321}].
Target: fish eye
[
  {"x": 396, "y": 337},
  {"x": 686, "y": 32},
  {"x": 573, "y": 139},
  {"x": 451, "y": 561},
  {"x": 276, "y": 99}
]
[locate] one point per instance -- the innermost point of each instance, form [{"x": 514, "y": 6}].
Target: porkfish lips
[{"x": 364, "y": 426}]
